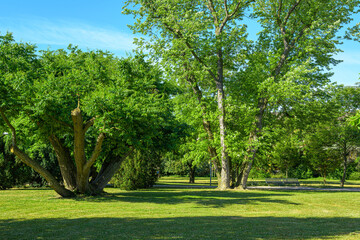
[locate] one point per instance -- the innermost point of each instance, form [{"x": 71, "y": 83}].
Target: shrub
[
  {"x": 137, "y": 171},
  {"x": 355, "y": 176}
]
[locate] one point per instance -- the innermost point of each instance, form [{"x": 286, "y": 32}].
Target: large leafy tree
[
  {"x": 289, "y": 62},
  {"x": 204, "y": 43},
  {"x": 90, "y": 106},
  {"x": 198, "y": 41},
  {"x": 194, "y": 149}
]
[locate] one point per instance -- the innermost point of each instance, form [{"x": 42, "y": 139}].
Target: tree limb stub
[
  {"x": 96, "y": 152},
  {"x": 88, "y": 124},
  {"x": 79, "y": 139}
]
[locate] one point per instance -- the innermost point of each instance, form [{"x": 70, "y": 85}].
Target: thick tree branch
[
  {"x": 79, "y": 139},
  {"x": 12, "y": 129},
  {"x": 229, "y": 16},
  {"x": 107, "y": 171},
  {"x": 177, "y": 33},
  {"x": 211, "y": 7},
  {"x": 65, "y": 124},
  {"x": 96, "y": 151},
  {"x": 88, "y": 124},
  {"x": 206, "y": 123},
  {"x": 67, "y": 166},
  {"x": 301, "y": 33},
  {"x": 280, "y": 8},
  {"x": 33, "y": 164},
  {"x": 291, "y": 11},
  {"x": 42, "y": 171}
]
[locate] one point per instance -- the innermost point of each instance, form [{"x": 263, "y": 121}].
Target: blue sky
[{"x": 100, "y": 25}]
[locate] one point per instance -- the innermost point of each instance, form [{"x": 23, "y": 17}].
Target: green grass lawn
[
  {"x": 180, "y": 180},
  {"x": 166, "y": 213},
  {"x": 205, "y": 181}
]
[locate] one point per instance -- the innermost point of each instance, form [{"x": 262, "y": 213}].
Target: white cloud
[{"x": 61, "y": 33}]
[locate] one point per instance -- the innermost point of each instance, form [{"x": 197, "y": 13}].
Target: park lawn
[
  {"x": 168, "y": 213},
  {"x": 182, "y": 180},
  {"x": 205, "y": 181}
]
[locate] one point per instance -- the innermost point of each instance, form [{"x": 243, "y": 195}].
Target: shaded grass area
[
  {"x": 205, "y": 181},
  {"x": 180, "y": 180},
  {"x": 227, "y": 227},
  {"x": 180, "y": 214}
]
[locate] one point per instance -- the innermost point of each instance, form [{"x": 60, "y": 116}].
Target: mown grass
[
  {"x": 180, "y": 180},
  {"x": 166, "y": 213},
  {"x": 205, "y": 181}
]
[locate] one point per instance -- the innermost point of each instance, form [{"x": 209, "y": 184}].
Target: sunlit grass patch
[{"x": 168, "y": 213}]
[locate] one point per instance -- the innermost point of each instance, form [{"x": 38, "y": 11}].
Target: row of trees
[
  {"x": 319, "y": 140},
  {"x": 219, "y": 96},
  {"x": 237, "y": 84}
]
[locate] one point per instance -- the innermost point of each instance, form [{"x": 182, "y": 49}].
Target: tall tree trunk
[
  {"x": 67, "y": 167},
  {"x": 225, "y": 167},
  {"x": 343, "y": 179},
  {"x": 192, "y": 169},
  {"x": 82, "y": 166},
  {"x": 82, "y": 183},
  {"x": 324, "y": 175},
  {"x": 240, "y": 173},
  {"x": 253, "y": 146},
  {"x": 249, "y": 161},
  {"x": 215, "y": 162},
  {"x": 287, "y": 172},
  {"x": 207, "y": 127}
]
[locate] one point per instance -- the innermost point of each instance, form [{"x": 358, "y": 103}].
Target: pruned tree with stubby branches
[{"x": 93, "y": 109}]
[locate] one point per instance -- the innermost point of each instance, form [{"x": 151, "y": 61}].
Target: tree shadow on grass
[
  {"x": 204, "y": 198},
  {"x": 28, "y": 188},
  {"x": 229, "y": 227}
]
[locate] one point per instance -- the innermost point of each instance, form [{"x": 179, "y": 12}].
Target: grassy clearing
[
  {"x": 205, "y": 181},
  {"x": 180, "y": 214},
  {"x": 180, "y": 180}
]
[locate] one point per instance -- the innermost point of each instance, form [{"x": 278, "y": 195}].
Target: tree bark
[
  {"x": 79, "y": 151},
  {"x": 67, "y": 167},
  {"x": 288, "y": 45},
  {"x": 215, "y": 162},
  {"x": 54, "y": 184},
  {"x": 192, "y": 169},
  {"x": 225, "y": 168},
  {"x": 344, "y": 175},
  {"x": 82, "y": 166},
  {"x": 345, "y": 157},
  {"x": 107, "y": 171},
  {"x": 254, "y": 136},
  {"x": 240, "y": 174},
  {"x": 207, "y": 127}
]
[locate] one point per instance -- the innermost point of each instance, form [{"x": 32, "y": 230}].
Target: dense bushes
[
  {"x": 355, "y": 176},
  {"x": 15, "y": 173},
  {"x": 138, "y": 171}
]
